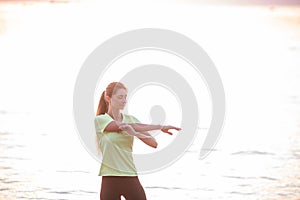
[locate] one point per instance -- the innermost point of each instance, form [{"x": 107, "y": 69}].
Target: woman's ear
[{"x": 107, "y": 98}]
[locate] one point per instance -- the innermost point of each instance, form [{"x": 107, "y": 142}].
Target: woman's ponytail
[{"x": 102, "y": 106}]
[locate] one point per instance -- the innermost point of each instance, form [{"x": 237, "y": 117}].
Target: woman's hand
[
  {"x": 166, "y": 129},
  {"x": 143, "y": 136},
  {"x": 128, "y": 128}
]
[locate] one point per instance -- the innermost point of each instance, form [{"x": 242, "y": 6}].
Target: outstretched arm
[
  {"x": 139, "y": 127},
  {"x": 145, "y": 127},
  {"x": 149, "y": 127}
]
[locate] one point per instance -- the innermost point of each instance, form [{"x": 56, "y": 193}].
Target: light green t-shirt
[{"x": 116, "y": 147}]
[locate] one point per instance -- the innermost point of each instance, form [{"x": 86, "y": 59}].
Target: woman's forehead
[{"x": 121, "y": 91}]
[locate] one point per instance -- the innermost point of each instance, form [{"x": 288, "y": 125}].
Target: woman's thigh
[
  {"x": 112, "y": 187},
  {"x": 133, "y": 190},
  {"x": 109, "y": 189}
]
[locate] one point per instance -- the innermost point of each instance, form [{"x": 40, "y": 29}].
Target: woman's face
[{"x": 118, "y": 100}]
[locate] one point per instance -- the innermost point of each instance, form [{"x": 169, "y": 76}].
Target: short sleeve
[{"x": 101, "y": 121}]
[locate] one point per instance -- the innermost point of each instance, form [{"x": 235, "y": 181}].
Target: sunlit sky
[{"x": 28, "y": 31}]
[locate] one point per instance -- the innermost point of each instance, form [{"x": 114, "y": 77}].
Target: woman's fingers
[
  {"x": 173, "y": 127},
  {"x": 124, "y": 126},
  {"x": 176, "y": 128},
  {"x": 167, "y": 131}
]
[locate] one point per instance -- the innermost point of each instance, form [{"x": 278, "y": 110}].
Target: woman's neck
[{"x": 115, "y": 114}]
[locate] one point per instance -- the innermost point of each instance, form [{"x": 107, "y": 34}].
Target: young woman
[{"x": 115, "y": 135}]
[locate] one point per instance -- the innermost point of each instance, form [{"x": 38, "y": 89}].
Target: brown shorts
[{"x": 113, "y": 187}]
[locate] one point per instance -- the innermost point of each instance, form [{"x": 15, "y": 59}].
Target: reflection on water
[
  {"x": 38, "y": 167},
  {"x": 32, "y": 168},
  {"x": 42, "y": 47}
]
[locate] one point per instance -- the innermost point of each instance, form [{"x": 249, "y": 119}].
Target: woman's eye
[{"x": 120, "y": 97}]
